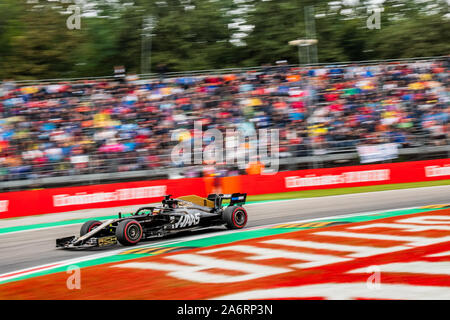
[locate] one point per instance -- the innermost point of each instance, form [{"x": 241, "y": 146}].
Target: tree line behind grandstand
[{"x": 190, "y": 35}]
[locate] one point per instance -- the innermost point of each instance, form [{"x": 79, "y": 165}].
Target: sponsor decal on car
[
  {"x": 187, "y": 220},
  {"x": 107, "y": 241}
]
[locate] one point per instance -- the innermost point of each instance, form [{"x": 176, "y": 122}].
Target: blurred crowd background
[
  {"x": 128, "y": 124},
  {"x": 85, "y": 119}
]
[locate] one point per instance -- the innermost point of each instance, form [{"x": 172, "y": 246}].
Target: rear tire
[
  {"x": 129, "y": 232},
  {"x": 88, "y": 226},
  {"x": 235, "y": 217}
]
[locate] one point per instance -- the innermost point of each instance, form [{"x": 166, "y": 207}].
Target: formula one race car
[{"x": 174, "y": 215}]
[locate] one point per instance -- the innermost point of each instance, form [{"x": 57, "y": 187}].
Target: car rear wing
[{"x": 235, "y": 198}]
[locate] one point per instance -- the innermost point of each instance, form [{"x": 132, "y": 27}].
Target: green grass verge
[{"x": 341, "y": 191}]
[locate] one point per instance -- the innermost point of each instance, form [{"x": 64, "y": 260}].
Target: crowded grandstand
[{"x": 67, "y": 128}]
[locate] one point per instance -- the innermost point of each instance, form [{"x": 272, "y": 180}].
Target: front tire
[
  {"x": 129, "y": 232},
  {"x": 88, "y": 226},
  {"x": 235, "y": 217}
]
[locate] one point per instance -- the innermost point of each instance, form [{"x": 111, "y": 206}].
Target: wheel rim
[
  {"x": 240, "y": 217},
  {"x": 133, "y": 232}
]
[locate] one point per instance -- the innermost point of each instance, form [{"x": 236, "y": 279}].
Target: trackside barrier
[
  {"x": 34, "y": 202},
  {"x": 353, "y": 176}
]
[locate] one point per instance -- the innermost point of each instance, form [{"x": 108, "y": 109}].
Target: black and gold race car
[{"x": 174, "y": 215}]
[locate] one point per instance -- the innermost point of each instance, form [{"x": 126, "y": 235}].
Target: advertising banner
[
  {"x": 377, "y": 152},
  {"x": 343, "y": 177},
  {"x": 26, "y": 203}
]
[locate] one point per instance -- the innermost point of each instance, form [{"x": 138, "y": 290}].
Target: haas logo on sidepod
[{"x": 188, "y": 220}]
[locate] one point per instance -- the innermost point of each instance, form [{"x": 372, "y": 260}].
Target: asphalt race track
[{"x": 32, "y": 248}]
